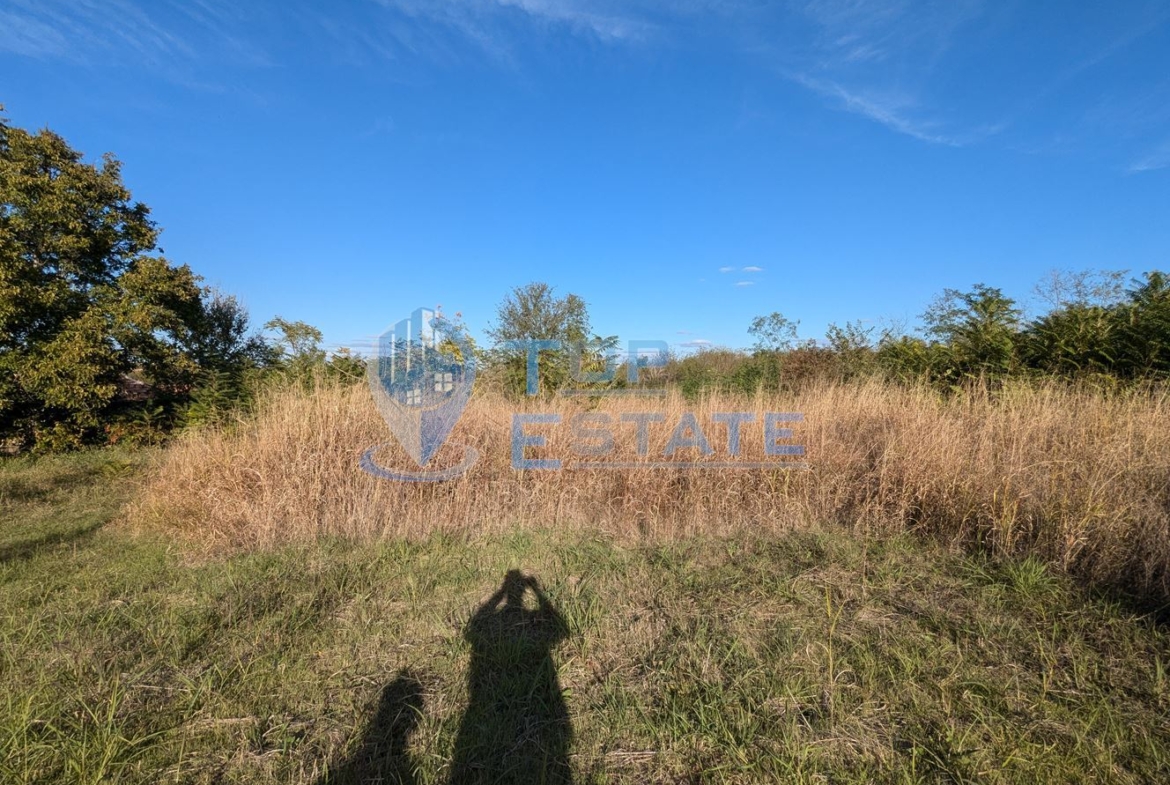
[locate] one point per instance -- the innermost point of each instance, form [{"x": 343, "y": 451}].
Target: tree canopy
[
  {"x": 87, "y": 301},
  {"x": 1094, "y": 328},
  {"x": 535, "y": 313}
]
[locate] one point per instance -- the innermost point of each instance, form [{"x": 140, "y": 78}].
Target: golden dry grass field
[{"x": 1076, "y": 479}]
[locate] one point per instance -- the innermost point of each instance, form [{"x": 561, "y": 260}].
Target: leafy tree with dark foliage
[
  {"x": 980, "y": 328},
  {"x": 535, "y": 313},
  {"x": 1143, "y": 330},
  {"x": 84, "y": 298},
  {"x": 221, "y": 342}
]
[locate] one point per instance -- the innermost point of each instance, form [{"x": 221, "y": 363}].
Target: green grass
[{"x": 814, "y": 657}]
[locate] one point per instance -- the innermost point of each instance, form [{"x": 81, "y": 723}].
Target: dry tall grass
[{"x": 1080, "y": 480}]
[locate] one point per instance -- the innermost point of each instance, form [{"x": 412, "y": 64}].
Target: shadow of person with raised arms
[
  {"x": 517, "y": 727},
  {"x": 382, "y": 755}
]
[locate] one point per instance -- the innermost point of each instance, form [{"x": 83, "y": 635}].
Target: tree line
[
  {"x": 103, "y": 339},
  {"x": 1097, "y": 329}
]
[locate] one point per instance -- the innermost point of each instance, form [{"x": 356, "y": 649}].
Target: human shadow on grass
[
  {"x": 516, "y": 729},
  {"x": 382, "y": 755}
]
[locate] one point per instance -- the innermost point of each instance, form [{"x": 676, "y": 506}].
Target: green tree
[
  {"x": 231, "y": 360},
  {"x": 1074, "y": 340},
  {"x": 912, "y": 359},
  {"x": 1143, "y": 329},
  {"x": 296, "y": 348},
  {"x": 776, "y": 346},
  {"x": 773, "y": 333},
  {"x": 534, "y": 312},
  {"x": 83, "y": 300},
  {"x": 980, "y": 327},
  {"x": 296, "y": 341},
  {"x": 220, "y": 340},
  {"x": 1078, "y": 336},
  {"x": 852, "y": 346},
  {"x": 344, "y": 364}
]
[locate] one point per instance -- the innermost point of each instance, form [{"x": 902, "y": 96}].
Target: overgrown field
[
  {"x": 1078, "y": 480},
  {"x": 812, "y": 656}
]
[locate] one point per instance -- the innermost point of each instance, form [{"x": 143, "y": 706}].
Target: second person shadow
[
  {"x": 517, "y": 727},
  {"x": 383, "y": 756}
]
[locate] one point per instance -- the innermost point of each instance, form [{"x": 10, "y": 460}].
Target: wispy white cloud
[
  {"x": 355, "y": 33},
  {"x": 1158, "y": 158},
  {"x": 753, "y": 269},
  {"x": 910, "y": 66},
  {"x": 696, "y": 343},
  {"x": 745, "y": 283},
  {"x": 859, "y": 32},
  {"x": 78, "y": 28},
  {"x": 614, "y": 26},
  {"x": 481, "y": 21},
  {"x": 874, "y": 59},
  {"x": 23, "y": 34},
  {"x": 902, "y": 64},
  {"x": 895, "y": 111},
  {"x": 726, "y": 269},
  {"x": 163, "y": 36}
]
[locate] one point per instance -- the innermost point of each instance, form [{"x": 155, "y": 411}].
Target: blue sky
[{"x": 683, "y": 166}]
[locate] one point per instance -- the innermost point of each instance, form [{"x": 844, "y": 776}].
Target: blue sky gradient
[{"x": 683, "y": 166}]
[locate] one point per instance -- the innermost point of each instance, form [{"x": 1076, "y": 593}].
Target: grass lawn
[{"x": 814, "y": 657}]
